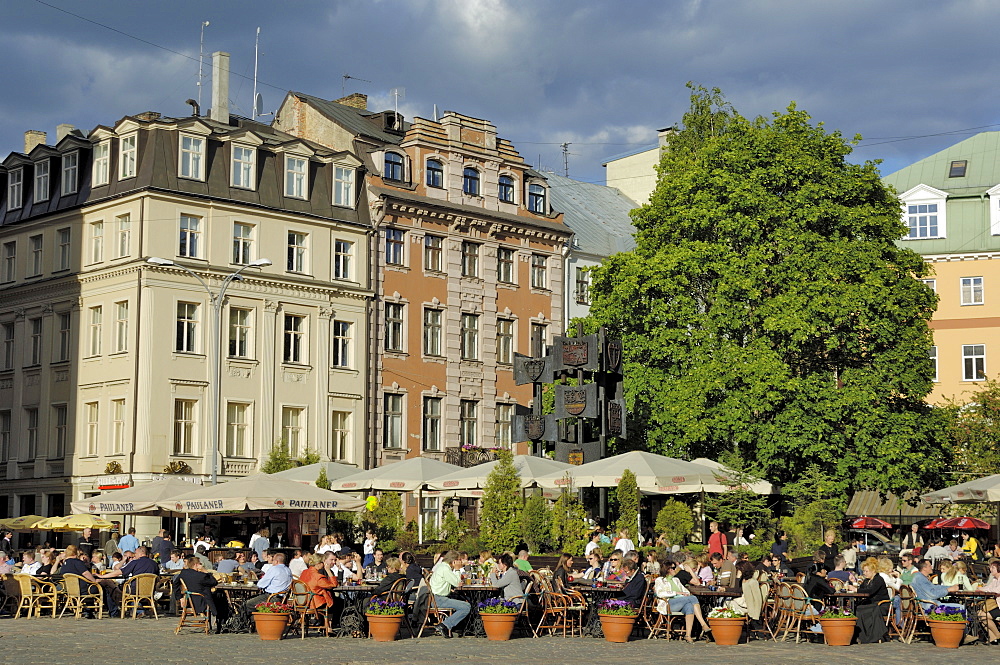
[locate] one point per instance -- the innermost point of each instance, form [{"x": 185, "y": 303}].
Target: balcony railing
[
  {"x": 467, "y": 457},
  {"x": 242, "y": 468}
]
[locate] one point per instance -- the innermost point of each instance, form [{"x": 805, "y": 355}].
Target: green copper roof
[{"x": 982, "y": 153}]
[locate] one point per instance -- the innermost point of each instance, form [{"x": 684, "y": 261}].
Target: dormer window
[
  {"x": 127, "y": 157},
  {"x": 243, "y": 166},
  {"x": 42, "y": 181},
  {"x": 102, "y": 162},
  {"x": 536, "y": 199},
  {"x": 435, "y": 173},
  {"x": 192, "y": 157},
  {"x": 470, "y": 181},
  {"x": 506, "y": 192},
  {"x": 70, "y": 169},
  {"x": 295, "y": 177},
  {"x": 393, "y": 166},
  {"x": 343, "y": 186},
  {"x": 924, "y": 212},
  {"x": 15, "y": 181}
]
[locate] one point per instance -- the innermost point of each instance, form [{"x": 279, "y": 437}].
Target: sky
[{"x": 911, "y": 77}]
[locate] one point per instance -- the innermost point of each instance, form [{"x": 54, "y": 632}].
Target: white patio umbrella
[
  {"x": 310, "y": 472},
  {"x": 980, "y": 490},
  {"x": 260, "y": 491},
  {"x": 131, "y": 500},
  {"x": 655, "y": 474},
  {"x": 760, "y": 487},
  {"x": 528, "y": 468}
]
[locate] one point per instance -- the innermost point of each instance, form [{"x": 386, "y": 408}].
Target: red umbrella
[
  {"x": 934, "y": 523},
  {"x": 963, "y": 523},
  {"x": 869, "y": 523}
]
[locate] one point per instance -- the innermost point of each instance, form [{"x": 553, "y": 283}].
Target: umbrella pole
[{"x": 420, "y": 514}]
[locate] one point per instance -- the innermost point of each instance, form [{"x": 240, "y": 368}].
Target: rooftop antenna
[
  {"x": 257, "y": 101},
  {"x": 201, "y": 60},
  {"x": 565, "y": 151},
  {"x": 343, "y": 83},
  {"x": 397, "y": 94}
]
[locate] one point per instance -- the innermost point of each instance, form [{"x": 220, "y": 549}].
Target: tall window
[
  {"x": 192, "y": 157},
  {"x": 539, "y": 272},
  {"x": 117, "y": 426},
  {"x": 432, "y": 423},
  {"x": 470, "y": 259},
  {"x": 293, "y": 429},
  {"x": 123, "y": 244},
  {"x": 922, "y": 220},
  {"x": 8, "y": 346},
  {"x": 242, "y": 243},
  {"x": 394, "y": 247},
  {"x": 243, "y": 171},
  {"x": 340, "y": 436},
  {"x": 31, "y": 442},
  {"x": 35, "y": 244},
  {"x": 64, "y": 237},
  {"x": 42, "y": 181},
  {"x": 393, "y": 166},
  {"x": 432, "y": 332},
  {"x": 239, "y": 333},
  {"x": 973, "y": 362},
  {"x": 468, "y": 421},
  {"x": 505, "y": 341},
  {"x": 470, "y": 182},
  {"x": 4, "y": 436},
  {"x": 393, "y": 431},
  {"x": 972, "y": 290},
  {"x": 297, "y": 251},
  {"x": 393, "y": 326},
  {"x": 342, "y": 252},
  {"x": 295, "y": 177},
  {"x": 343, "y": 186},
  {"x": 470, "y": 337},
  {"x": 36, "y": 341},
  {"x": 506, "y": 191},
  {"x": 65, "y": 335},
  {"x": 236, "y": 429},
  {"x": 933, "y": 355},
  {"x": 187, "y": 327},
  {"x": 430, "y": 512},
  {"x": 102, "y": 164},
  {"x": 70, "y": 169},
  {"x": 341, "y": 356},
  {"x": 96, "y": 242},
  {"x": 294, "y": 342},
  {"x": 61, "y": 419},
  {"x": 121, "y": 326},
  {"x": 9, "y": 261},
  {"x": 433, "y": 253},
  {"x": 126, "y": 157},
  {"x": 185, "y": 411},
  {"x": 539, "y": 333},
  {"x": 96, "y": 324},
  {"x": 15, "y": 189},
  {"x": 505, "y": 265},
  {"x": 505, "y": 413},
  {"x": 190, "y": 237},
  {"x": 93, "y": 411},
  {"x": 435, "y": 173},
  {"x": 582, "y": 292}
]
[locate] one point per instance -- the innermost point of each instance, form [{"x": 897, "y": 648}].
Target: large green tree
[
  {"x": 766, "y": 306},
  {"x": 500, "y": 516}
]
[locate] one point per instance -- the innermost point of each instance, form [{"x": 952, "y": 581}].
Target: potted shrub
[
  {"x": 617, "y": 619},
  {"x": 947, "y": 625},
  {"x": 384, "y": 618},
  {"x": 271, "y": 619},
  {"x": 498, "y": 617},
  {"x": 727, "y": 625},
  {"x": 838, "y": 626}
]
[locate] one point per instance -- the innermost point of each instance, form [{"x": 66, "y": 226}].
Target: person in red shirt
[
  {"x": 318, "y": 582},
  {"x": 717, "y": 542}
]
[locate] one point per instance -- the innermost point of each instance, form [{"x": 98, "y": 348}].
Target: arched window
[
  {"x": 536, "y": 199},
  {"x": 506, "y": 193},
  {"x": 470, "y": 181},
  {"x": 393, "y": 166},
  {"x": 435, "y": 173}
]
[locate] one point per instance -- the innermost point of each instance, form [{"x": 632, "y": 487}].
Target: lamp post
[{"x": 215, "y": 358}]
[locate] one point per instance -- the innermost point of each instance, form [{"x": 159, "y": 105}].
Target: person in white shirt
[
  {"x": 29, "y": 566},
  {"x": 594, "y": 544},
  {"x": 298, "y": 564},
  {"x": 624, "y": 543},
  {"x": 267, "y": 565},
  {"x": 371, "y": 542}
]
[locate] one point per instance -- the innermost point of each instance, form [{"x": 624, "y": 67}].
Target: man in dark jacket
[
  {"x": 635, "y": 588},
  {"x": 200, "y": 582}
]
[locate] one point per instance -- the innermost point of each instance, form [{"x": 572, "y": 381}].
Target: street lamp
[{"x": 215, "y": 359}]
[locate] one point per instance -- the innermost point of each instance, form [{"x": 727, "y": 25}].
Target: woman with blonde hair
[
  {"x": 314, "y": 578},
  {"x": 705, "y": 572},
  {"x": 887, "y": 571},
  {"x": 958, "y": 574},
  {"x": 944, "y": 570},
  {"x": 871, "y": 614}
]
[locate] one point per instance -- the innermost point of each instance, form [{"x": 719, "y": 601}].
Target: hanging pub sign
[
  {"x": 573, "y": 353},
  {"x": 532, "y": 370},
  {"x": 616, "y": 418},
  {"x": 534, "y": 428},
  {"x": 576, "y": 401}
]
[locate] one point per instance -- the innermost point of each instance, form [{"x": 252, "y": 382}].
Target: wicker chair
[
  {"x": 12, "y": 594},
  {"x": 908, "y": 612},
  {"x": 300, "y": 597},
  {"x": 397, "y": 593},
  {"x": 190, "y": 617},
  {"x": 36, "y": 595},
  {"x": 801, "y": 608},
  {"x": 433, "y": 615},
  {"x": 137, "y": 590},
  {"x": 82, "y": 594},
  {"x": 554, "y": 613}
]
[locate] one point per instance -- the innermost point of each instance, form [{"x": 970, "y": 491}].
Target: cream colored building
[{"x": 634, "y": 172}]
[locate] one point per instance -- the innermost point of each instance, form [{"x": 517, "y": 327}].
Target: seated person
[
  {"x": 228, "y": 565},
  {"x": 377, "y": 568},
  {"x": 560, "y": 577},
  {"x": 200, "y": 582},
  {"x": 839, "y": 571},
  {"x": 635, "y": 583},
  {"x": 316, "y": 578},
  {"x": 412, "y": 570},
  {"x": 675, "y": 597},
  {"x": 504, "y": 576},
  {"x": 594, "y": 565},
  {"x": 392, "y": 574},
  {"x": 175, "y": 562},
  {"x": 277, "y": 579},
  {"x": 990, "y": 614},
  {"x": 871, "y": 615},
  {"x": 817, "y": 588}
]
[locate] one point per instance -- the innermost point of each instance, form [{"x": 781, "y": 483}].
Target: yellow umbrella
[
  {"x": 73, "y": 523},
  {"x": 22, "y": 523}
]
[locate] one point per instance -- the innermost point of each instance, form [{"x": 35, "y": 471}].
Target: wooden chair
[
  {"x": 642, "y": 612},
  {"x": 919, "y": 619},
  {"x": 907, "y": 601},
  {"x": 523, "y": 621},
  {"x": 553, "y": 616},
  {"x": 838, "y": 585},
  {"x": 576, "y": 609},
  {"x": 664, "y": 623},
  {"x": 137, "y": 590},
  {"x": 434, "y": 616},
  {"x": 398, "y": 593},
  {"x": 300, "y": 597},
  {"x": 190, "y": 617},
  {"x": 82, "y": 594},
  {"x": 12, "y": 594},
  {"x": 800, "y": 608}
]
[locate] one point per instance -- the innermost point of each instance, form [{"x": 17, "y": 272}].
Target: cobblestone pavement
[{"x": 45, "y": 640}]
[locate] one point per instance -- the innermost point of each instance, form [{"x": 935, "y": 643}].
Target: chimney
[
  {"x": 62, "y": 131},
  {"x": 355, "y": 100},
  {"x": 220, "y": 87},
  {"x": 663, "y": 136},
  {"x": 33, "y": 137}
]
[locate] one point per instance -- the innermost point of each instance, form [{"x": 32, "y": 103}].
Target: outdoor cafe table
[
  {"x": 474, "y": 594},
  {"x": 847, "y": 600},
  {"x": 974, "y": 602},
  {"x": 354, "y": 599},
  {"x": 595, "y": 596},
  {"x": 709, "y": 598},
  {"x": 235, "y": 595}
]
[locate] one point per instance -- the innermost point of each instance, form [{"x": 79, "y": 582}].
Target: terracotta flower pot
[
  {"x": 947, "y": 634},
  {"x": 499, "y": 627},
  {"x": 727, "y": 631},
  {"x": 270, "y": 626},
  {"x": 384, "y": 627},
  {"x": 838, "y": 632},
  {"x": 616, "y": 627}
]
